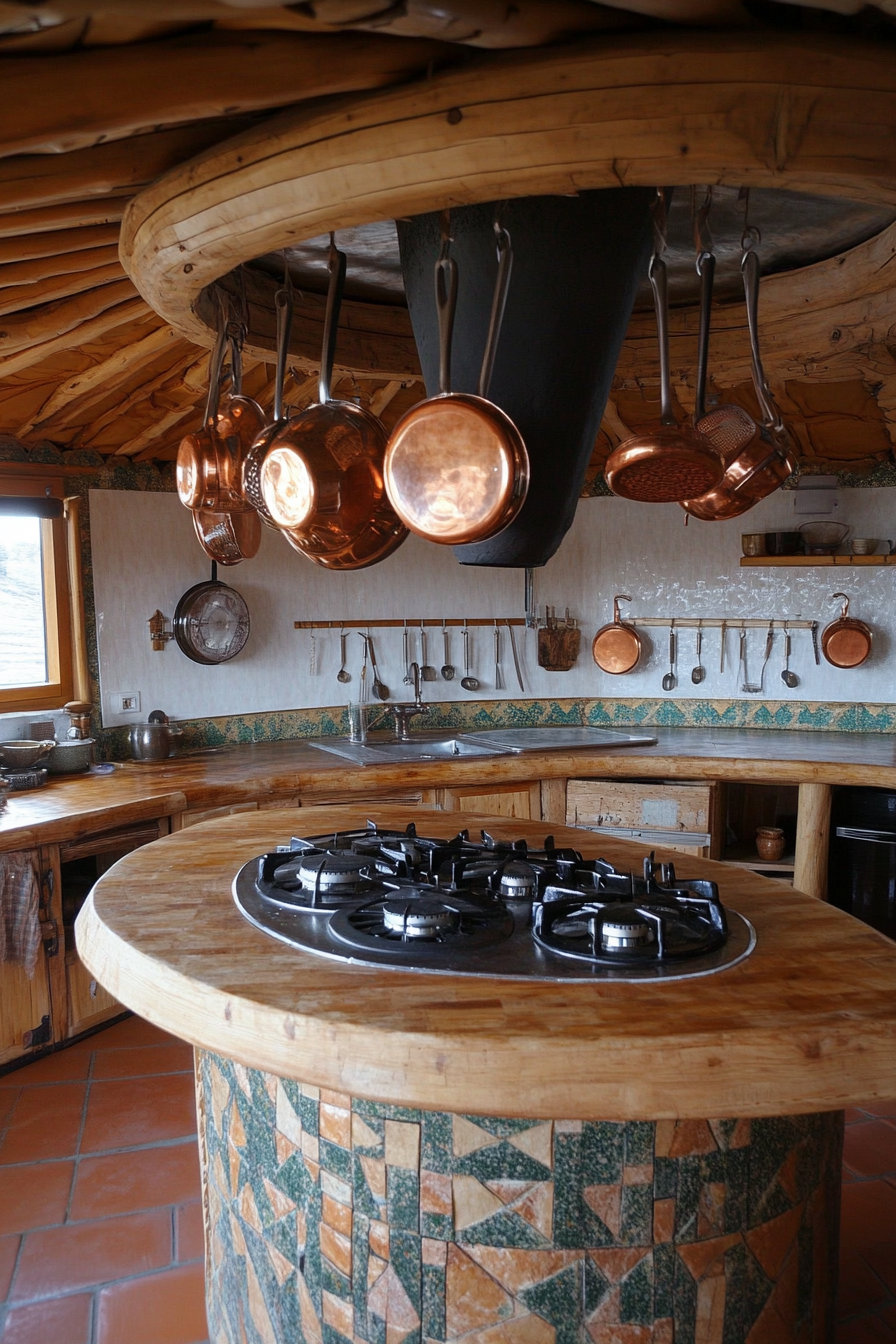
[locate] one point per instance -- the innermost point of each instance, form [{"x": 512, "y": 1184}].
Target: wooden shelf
[
  {"x": 812, "y": 561},
  {"x": 743, "y": 856}
]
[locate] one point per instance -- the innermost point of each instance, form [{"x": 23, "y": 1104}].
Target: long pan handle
[
  {"x": 706, "y": 269},
  {"x": 446, "y": 301},
  {"x": 283, "y": 306},
  {"x": 659, "y": 285},
  {"x": 336, "y": 267},
  {"x": 215, "y": 365},
  {"x": 499, "y": 303},
  {"x": 771, "y": 416}
]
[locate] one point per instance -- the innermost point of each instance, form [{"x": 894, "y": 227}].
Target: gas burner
[
  {"x": 422, "y": 914},
  {"x": 488, "y": 907}
]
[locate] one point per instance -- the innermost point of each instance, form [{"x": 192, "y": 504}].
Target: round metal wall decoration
[{"x": 211, "y": 623}]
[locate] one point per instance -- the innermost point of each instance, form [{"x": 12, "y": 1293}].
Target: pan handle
[
  {"x": 749, "y": 265},
  {"x": 706, "y": 269},
  {"x": 283, "y": 306},
  {"x": 216, "y": 364},
  {"x": 845, "y": 610},
  {"x": 446, "y": 301},
  {"x": 659, "y": 285},
  {"x": 499, "y": 303},
  {"x": 620, "y": 597},
  {"x": 336, "y": 268}
]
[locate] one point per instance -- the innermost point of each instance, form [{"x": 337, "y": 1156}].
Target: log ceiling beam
[
  {"x": 69, "y": 215},
  {"x": 24, "y": 274},
  {"x": 123, "y": 305},
  {"x": 56, "y": 243},
  {"x": 96, "y": 382},
  {"x": 17, "y": 297},
  {"x": 111, "y": 93},
  {"x": 33, "y": 181}
]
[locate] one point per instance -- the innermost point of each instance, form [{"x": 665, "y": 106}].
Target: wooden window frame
[{"x": 58, "y": 613}]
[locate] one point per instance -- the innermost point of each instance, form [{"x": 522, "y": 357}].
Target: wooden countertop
[
  {"x": 69, "y": 806},
  {"x": 806, "y": 1023}
]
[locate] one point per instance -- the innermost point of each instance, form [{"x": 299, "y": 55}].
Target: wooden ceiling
[{"x": 100, "y": 99}]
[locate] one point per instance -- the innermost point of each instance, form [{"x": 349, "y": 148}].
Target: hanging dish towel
[{"x": 19, "y": 908}]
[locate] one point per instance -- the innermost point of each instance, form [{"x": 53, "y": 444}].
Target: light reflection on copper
[{"x": 287, "y": 487}]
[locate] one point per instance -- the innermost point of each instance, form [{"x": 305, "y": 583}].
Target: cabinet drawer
[{"x": 656, "y": 812}]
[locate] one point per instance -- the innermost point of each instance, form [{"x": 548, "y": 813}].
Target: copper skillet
[
  {"x": 617, "y": 647},
  {"x": 666, "y": 464},
  {"x": 321, "y": 477},
  {"x": 758, "y": 458},
  {"x": 457, "y": 469},
  {"x": 846, "y": 642}
]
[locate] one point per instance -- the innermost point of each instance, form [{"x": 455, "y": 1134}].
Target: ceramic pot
[{"x": 770, "y": 843}]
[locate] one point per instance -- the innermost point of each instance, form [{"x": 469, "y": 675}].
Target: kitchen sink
[
  {"x": 420, "y": 748},
  {"x": 447, "y": 746}
]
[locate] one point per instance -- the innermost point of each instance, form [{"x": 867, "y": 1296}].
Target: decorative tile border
[
  {"x": 334, "y": 1220},
  {"x": 281, "y": 725}
]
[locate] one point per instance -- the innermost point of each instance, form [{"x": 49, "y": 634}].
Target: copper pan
[
  {"x": 250, "y": 472},
  {"x": 203, "y": 471},
  {"x": 617, "y": 647},
  {"x": 765, "y": 460},
  {"x": 240, "y": 419},
  {"x": 846, "y": 642},
  {"x": 228, "y": 537},
  {"x": 666, "y": 464},
  {"x": 322, "y": 474},
  {"x": 456, "y": 467}
]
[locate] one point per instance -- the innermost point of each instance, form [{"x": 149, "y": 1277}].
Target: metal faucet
[{"x": 405, "y": 712}]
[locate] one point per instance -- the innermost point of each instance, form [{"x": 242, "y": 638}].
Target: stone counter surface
[
  {"x": 79, "y": 804},
  {"x": 807, "y": 1023}
]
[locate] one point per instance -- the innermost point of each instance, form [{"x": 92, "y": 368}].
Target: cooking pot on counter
[{"x": 155, "y": 740}]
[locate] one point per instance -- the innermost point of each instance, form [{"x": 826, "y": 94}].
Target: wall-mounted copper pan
[
  {"x": 617, "y": 647},
  {"x": 456, "y": 468},
  {"x": 666, "y": 464},
  {"x": 251, "y": 467},
  {"x": 846, "y": 642},
  {"x": 758, "y": 458},
  {"x": 321, "y": 476}
]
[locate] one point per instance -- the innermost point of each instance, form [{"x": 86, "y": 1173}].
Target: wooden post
[
  {"x": 813, "y": 824},
  {"x": 553, "y": 801}
]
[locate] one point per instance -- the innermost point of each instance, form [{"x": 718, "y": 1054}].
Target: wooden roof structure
[{"x": 102, "y": 98}]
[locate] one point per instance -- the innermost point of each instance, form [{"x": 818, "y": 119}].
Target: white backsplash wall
[{"x": 145, "y": 556}]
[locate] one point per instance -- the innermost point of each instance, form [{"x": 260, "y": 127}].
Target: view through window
[{"x": 23, "y": 645}]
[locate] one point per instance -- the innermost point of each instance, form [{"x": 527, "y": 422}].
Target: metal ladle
[
  {"x": 469, "y": 683},
  {"x": 670, "y": 681},
  {"x": 699, "y": 672},
  {"x": 447, "y": 667},
  {"x": 789, "y": 678},
  {"x": 427, "y": 671},
  {"x": 343, "y": 674}
]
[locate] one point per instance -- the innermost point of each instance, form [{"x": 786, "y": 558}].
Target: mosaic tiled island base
[{"x": 332, "y": 1219}]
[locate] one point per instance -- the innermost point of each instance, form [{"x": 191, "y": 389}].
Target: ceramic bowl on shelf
[
  {"x": 823, "y": 538},
  {"x": 752, "y": 543},
  {"x": 869, "y": 546}
]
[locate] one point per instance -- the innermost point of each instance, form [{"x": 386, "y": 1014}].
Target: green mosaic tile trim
[
  {"x": 332, "y": 1219},
  {"x": 287, "y": 725}
]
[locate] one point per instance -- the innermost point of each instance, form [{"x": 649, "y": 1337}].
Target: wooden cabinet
[
  {"x": 674, "y": 815},
  {"x": 498, "y": 800}
]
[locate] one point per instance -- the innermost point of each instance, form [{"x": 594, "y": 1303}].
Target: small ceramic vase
[{"x": 770, "y": 843}]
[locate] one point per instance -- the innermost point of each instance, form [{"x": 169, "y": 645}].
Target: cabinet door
[
  {"x": 88, "y": 1003},
  {"x": 511, "y": 800},
  {"x": 25, "y": 1010}
]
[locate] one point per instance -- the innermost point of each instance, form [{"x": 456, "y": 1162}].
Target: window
[{"x": 35, "y": 625}]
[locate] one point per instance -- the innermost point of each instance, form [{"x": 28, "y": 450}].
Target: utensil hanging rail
[
  {"x": 716, "y": 622},
  {"x": 414, "y": 622}
]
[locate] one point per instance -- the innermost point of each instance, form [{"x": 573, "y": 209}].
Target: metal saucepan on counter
[
  {"x": 617, "y": 647},
  {"x": 846, "y": 642},
  {"x": 155, "y": 740},
  {"x": 321, "y": 477},
  {"x": 71, "y": 756},
  {"x": 457, "y": 469}
]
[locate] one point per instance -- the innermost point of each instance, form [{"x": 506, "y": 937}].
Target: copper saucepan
[
  {"x": 321, "y": 476},
  {"x": 666, "y": 464},
  {"x": 203, "y": 472},
  {"x": 846, "y": 642},
  {"x": 228, "y": 537},
  {"x": 457, "y": 469},
  {"x": 757, "y": 465},
  {"x": 617, "y": 647}
]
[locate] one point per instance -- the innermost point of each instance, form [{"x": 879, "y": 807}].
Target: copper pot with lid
[
  {"x": 617, "y": 647},
  {"x": 846, "y": 642},
  {"x": 457, "y": 469},
  {"x": 667, "y": 463},
  {"x": 321, "y": 476},
  {"x": 758, "y": 458}
]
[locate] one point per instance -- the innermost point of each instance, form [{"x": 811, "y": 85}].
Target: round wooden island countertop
[{"x": 806, "y": 1023}]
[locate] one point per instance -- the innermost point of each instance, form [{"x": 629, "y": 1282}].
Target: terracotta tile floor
[{"x": 100, "y": 1221}]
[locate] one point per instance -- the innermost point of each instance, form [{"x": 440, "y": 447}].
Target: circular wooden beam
[{"x": 771, "y": 110}]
